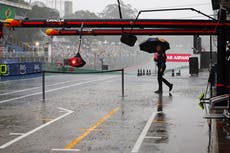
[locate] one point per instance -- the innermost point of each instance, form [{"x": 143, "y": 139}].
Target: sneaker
[
  {"x": 158, "y": 91},
  {"x": 170, "y": 87}
]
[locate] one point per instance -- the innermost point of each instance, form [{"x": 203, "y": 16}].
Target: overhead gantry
[{"x": 95, "y": 27}]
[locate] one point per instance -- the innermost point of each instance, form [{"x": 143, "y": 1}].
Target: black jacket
[{"x": 161, "y": 60}]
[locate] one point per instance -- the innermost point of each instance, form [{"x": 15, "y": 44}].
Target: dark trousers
[{"x": 161, "y": 79}]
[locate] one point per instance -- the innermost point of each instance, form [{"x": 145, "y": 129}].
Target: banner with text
[{"x": 178, "y": 57}]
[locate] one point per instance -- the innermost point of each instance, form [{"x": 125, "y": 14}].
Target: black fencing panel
[{"x": 193, "y": 65}]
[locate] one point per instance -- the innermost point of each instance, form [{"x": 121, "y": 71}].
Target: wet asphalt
[{"x": 85, "y": 113}]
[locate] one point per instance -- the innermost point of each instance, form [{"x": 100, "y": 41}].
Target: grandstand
[{"x": 9, "y": 9}]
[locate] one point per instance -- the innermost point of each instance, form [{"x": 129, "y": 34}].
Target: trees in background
[
  {"x": 32, "y": 34},
  {"x": 111, "y": 11},
  {"x": 37, "y": 34}
]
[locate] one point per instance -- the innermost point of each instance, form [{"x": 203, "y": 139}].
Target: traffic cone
[
  {"x": 178, "y": 73},
  {"x": 140, "y": 72},
  {"x": 173, "y": 74}
]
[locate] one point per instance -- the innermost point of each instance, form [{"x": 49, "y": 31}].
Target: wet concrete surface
[{"x": 177, "y": 126}]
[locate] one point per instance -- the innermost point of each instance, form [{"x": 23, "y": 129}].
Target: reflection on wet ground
[
  {"x": 219, "y": 136},
  {"x": 177, "y": 126},
  {"x": 23, "y": 118},
  {"x": 158, "y": 131},
  {"x": 8, "y": 122}
]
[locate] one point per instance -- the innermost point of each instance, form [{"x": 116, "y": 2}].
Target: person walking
[{"x": 161, "y": 65}]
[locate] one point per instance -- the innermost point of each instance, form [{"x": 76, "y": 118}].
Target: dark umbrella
[{"x": 150, "y": 45}]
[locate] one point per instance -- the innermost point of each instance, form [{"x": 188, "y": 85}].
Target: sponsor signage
[
  {"x": 178, "y": 57},
  {"x": 3, "y": 69},
  {"x": 15, "y": 69},
  {"x": 7, "y": 12}
]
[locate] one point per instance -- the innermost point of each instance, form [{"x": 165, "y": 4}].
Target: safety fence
[{"x": 93, "y": 72}]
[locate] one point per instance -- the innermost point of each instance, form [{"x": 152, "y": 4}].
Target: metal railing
[{"x": 218, "y": 103}]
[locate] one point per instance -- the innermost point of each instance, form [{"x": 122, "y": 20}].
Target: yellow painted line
[
  {"x": 158, "y": 121},
  {"x": 82, "y": 129},
  {"x": 89, "y": 130}
]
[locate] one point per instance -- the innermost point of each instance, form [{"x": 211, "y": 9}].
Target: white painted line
[
  {"x": 36, "y": 78},
  {"x": 68, "y": 112},
  {"x": 149, "y": 137},
  {"x": 61, "y": 111},
  {"x": 16, "y": 133},
  {"x": 12, "y": 99},
  {"x": 66, "y": 150},
  {"x": 77, "y": 84},
  {"x": 13, "y": 92},
  {"x": 55, "y": 89},
  {"x": 143, "y": 133},
  {"x": 28, "y": 89}
]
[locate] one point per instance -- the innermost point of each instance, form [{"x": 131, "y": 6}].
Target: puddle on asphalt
[
  {"x": 8, "y": 122},
  {"x": 158, "y": 131}
]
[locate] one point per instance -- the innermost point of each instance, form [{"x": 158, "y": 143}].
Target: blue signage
[{"x": 19, "y": 69}]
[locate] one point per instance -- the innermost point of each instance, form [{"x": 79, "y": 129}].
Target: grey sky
[
  {"x": 97, "y": 6},
  {"x": 201, "y": 5}
]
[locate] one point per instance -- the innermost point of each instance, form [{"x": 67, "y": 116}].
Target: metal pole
[
  {"x": 119, "y": 8},
  {"x": 221, "y": 49},
  {"x": 43, "y": 86},
  {"x": 227, "y": 60},
  {"x": 220, "y": 61},
  {"x": 122, "y": 84},
  {"x": 211, "y": 66}
]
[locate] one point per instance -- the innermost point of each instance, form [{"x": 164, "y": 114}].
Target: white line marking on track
[
  {"x": 13, "y": 92},
  {"x": 66, "y": 150},
  {"x": 68, "y": 112},
  {"x": 28, "y": 89},
  {"x": 16, "y": 133},
  {"x": 55, "y": 89},
  {"x": 143, "y": 133}
]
